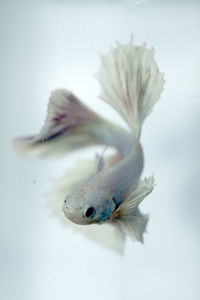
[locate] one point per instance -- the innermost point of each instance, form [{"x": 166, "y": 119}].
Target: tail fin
[{"x": 130, "y": 82}]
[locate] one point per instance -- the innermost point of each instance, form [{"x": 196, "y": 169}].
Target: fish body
[
  {"x": 105, "y": 191},
  {"x": 131, "y": 83}
]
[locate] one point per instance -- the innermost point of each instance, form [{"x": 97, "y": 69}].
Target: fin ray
[
  {"x": 130, "y": 82},
  {"x": 100, "y": 161},
  {"x": 129, "y": 217},
  {"x": 130, "y": 204}
]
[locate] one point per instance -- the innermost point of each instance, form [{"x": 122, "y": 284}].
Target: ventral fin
[{"x": 100, "y": 163}]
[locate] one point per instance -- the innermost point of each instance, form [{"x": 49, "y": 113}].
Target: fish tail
[
  {"x": 131, "y": 83},
  {"x": 69, "y": 125}
]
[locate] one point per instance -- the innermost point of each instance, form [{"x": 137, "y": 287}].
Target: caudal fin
[{"x": 130, "y": 82}]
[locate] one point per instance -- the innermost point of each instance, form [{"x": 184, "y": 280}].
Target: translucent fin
[
  {"x": 128, "y": 207},
  {"x": 135, "y": 226},
  {"x": 131, "y": 220},
  {"x": 108, "y": 235},
  {"x": 100, "y": 160},
  {"x": 69, "y": 125},
  {"x": 130, "y": 82}
]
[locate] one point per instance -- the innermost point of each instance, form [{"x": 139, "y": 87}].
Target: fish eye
[
  {"x": 66, "y": 199},
  {"x": 90, "y": 211}
]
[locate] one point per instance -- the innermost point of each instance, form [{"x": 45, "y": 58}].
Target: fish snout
[
  {"x": 68, "y": 211},
  {"x": 67, "y": 208},
  {"x": 73, "y": 213}
]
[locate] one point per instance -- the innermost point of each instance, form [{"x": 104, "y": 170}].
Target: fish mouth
[
  {"x": 69, "y": 214},
  {"x": 93, "y": 222}
]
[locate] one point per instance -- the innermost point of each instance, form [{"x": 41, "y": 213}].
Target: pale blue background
[{"x": 50, "y": 44}]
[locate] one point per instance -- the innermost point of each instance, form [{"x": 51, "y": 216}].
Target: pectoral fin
[
  {"x": 130, "y": 204},
  {"x": 131, "y": 220}
]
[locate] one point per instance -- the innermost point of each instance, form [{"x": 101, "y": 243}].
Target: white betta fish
[{"x": 131, "y": 83}]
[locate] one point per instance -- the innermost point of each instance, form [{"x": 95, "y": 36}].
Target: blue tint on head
[{"x": 107, "y": 211}]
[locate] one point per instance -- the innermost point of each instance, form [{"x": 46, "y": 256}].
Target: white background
[{"x": 50, "y": 44}]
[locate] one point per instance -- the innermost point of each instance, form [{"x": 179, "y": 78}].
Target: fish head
[{"x": 89, "y": 208}]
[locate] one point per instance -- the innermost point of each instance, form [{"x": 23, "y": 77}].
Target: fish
[{"x": 131, "y": 84}]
